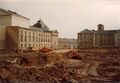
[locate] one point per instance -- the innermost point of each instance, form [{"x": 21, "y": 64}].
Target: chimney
[{"x": 100, "y": 27}]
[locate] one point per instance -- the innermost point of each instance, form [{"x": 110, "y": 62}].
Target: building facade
[
  {"x": 10, "y": 18},
  {"x": 117, "y": 38},
  {"x": 65, "y": 43},
  {"x": 98, "y": 39},
  {"x": 19, "y": 35},
  {"x": 2, "y": 37},
  {"x": 85, "y": 39},
  {"x": 23, "y": 38}
]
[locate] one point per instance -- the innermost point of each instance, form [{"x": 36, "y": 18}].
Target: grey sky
[{"x": 68, "y": 16}]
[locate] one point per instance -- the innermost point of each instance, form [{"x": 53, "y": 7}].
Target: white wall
[
  {"x": 3, "y": 13},
  {"x": 5, "y": 18},
  {"x": 20, "y": 21},
  {"x": 2, "y": 36}
]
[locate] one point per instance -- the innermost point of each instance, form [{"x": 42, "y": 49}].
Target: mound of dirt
[{"x": 55, "y": 67}]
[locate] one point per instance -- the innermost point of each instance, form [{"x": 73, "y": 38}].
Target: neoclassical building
[
  {"x": 15, "y": 33},
  {"x": 99, "y": 38}
]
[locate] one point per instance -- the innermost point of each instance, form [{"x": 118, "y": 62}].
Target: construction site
[
  {"x": 36, "y": 53},
  {"x": 70, "y": 66}
]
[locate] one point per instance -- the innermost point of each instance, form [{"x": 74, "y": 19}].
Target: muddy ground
[{"x": 59, "y": 67}]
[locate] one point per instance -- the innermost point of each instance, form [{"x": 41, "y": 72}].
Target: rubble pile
[
  {"x": 54, "y": 67},
  {"x": 73, "y": 55},
  {"x": 45, "y": 50}
]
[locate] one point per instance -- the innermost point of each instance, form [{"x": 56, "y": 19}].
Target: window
[
  {"x": 25, "y": 32},
  {"x": 21, "y": 38},
  {"x": 25, "y": 45},
  {"x": 25, "y": 38},
  {"x": 21, "y": 45},
  {"x": 36, "y": 39},
  {"x": 33, "y": 39},
  {"x": 21, "y": 32},
  {"x": 29, "y": 38}
]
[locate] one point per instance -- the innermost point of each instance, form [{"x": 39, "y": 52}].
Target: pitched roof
[
  {"x": 42, "y": 25},
  {"x": 36, "y": 29},
  {"x": 105, "y": 32},
  {"x": 86, "y": 31},
  {"x": 13, "y": 13}
]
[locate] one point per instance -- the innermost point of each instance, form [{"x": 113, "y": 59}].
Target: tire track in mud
[
  {"x": 95, "y": 70},
  {"x": 90, "y": 69}
]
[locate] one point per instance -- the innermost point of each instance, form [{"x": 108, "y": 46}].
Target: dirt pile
[
  {"x": 31, "y": 59},
  {"x": 45, "y": 50},
  {"x": 73, "y": 55},
  {"x": 54, "y": 67},
  {"x": 71, "y": 71}
]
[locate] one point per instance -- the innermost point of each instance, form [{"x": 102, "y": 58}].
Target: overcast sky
[{"x": 68, "y": 16}]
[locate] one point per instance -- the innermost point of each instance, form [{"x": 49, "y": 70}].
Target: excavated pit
[{"x": 59, "y": 67}]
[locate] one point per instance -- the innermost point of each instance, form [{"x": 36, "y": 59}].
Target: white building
[
  {"x": 15, "y": 33},
  {"x": 10, "y": 18}
]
